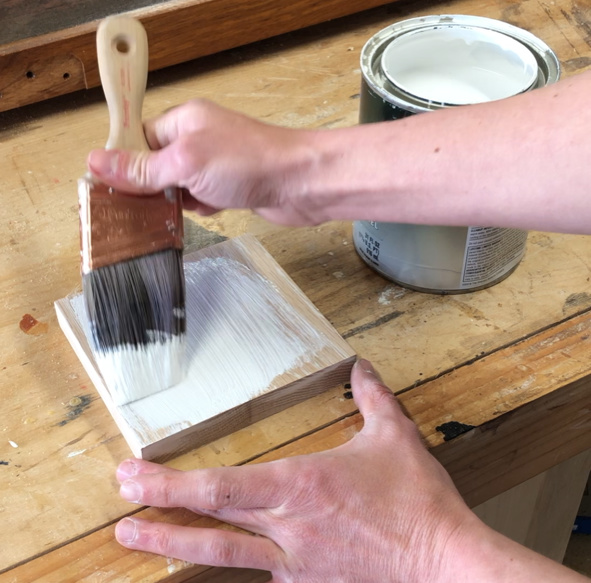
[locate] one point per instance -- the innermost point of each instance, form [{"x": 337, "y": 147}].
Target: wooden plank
[
  {"x": 255, "y": 346},
  {"x": 516, "y": 446},
  {"x": 64, "y": 61},
  {"x": 529, "y": 406},
  {"x": 540, "y": 512},
  {"x": 548, "y": 426},
  {"x": 556, "y": 506}
]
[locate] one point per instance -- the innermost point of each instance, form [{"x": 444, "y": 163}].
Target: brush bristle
[{"x": 136, "y": 310}]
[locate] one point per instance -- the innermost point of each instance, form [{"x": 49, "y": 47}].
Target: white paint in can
[
  {"x": 459, "y": 66},
  {"x": 440, "y": 259},
  {"x": 428, "y": 63}
]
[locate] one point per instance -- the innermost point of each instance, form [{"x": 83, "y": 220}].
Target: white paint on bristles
[
  {"x": 459, "y": 65},
  {"x": 134, "y": 372}
]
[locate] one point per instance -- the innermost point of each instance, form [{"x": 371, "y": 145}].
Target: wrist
[
  {"x": 476, "y": 552},
  {"x": 330, "y": 183},
  {"x": 357, "y": 173},
  {"x": 473, "y": 553}
]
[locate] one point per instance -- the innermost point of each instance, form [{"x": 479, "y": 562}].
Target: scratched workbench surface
[{"x": 512, "y": 360}]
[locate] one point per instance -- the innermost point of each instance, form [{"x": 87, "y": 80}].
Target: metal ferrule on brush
[
  {"x": 115, "y": 227},
  {"x": 133, "y": 287}
]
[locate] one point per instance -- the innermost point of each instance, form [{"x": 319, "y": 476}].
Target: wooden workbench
[{"x": 513, "y": 361}]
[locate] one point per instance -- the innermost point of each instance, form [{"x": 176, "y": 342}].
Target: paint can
[{"x": 428, "y": 63}]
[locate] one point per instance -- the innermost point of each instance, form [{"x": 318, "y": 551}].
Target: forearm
[
  {"x": 483, "y": 555},
  {"x": 521, "y": 162}
]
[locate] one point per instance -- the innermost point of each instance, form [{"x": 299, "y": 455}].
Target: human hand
[
  {"x": 378, "y": 508},
  {"x": 221, "y": 158}
]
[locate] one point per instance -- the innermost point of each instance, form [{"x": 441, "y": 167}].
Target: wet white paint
[
  {"x": 134, "y": 372},
  {"x": 244, "y": 338},
  {"x": 238, "y": 343},
  {"x": 459, "y": 65}
]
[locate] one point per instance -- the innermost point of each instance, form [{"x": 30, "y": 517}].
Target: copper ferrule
[{"x": 116, "y": 227}]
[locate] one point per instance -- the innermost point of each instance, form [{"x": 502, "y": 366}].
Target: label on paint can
[
  {"x": 491, "y": 253},
  {"x": 439, "y": 259},
  {"x": 434, "y": 62}
]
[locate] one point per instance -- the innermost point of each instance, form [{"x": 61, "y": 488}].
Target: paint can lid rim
[{"x": 370, "y": 57}]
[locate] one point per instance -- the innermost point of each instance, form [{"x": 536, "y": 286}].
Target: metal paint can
[{"x": 433, "y": 62}]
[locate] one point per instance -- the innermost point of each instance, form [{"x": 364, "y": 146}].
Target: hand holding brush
[{"x": 131, "y": 247}]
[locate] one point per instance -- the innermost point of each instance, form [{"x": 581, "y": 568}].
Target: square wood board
[{"x": 255, "y": 346}]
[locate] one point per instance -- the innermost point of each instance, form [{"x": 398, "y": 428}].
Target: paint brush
[{"x": 131, "y": 245}]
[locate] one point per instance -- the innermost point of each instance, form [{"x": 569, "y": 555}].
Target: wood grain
[
  {"x": 64, "y": 60},
  {"x": 270, "y": 321},
  {"x": 540, "y": 512},
  {"x": 549, "y": 426}
]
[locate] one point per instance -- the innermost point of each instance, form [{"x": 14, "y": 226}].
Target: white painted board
[{"x": 255, "y": 345}]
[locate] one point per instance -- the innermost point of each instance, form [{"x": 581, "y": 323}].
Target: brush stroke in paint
[{"x": 243, "y": 339}]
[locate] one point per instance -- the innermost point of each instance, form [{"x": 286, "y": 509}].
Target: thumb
[
  {"x": 377, "y": 403},
  {"x": 128, "y": 170}
]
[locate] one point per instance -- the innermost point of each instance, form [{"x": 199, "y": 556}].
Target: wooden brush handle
[{"x": 122, "y": 50}]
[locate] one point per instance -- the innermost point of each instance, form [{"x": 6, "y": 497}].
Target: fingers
[
  {"x": 163, "y": 130},
  {"x": 131, "y": 467},
  {"x": 155, "y": 170},
  {"x": 142, "y": 172},
  {"x": 377, "y": 404},
  {"x": 192, "y": 204},
  {"x": 166, "y": 128},
  {"x": 245, "y": 487},
  {"x": 205, "y": 546},
  {"x": 131, "y": 171}
]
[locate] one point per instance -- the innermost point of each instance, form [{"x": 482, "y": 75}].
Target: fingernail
[
  {"x": 103, "y": 163},
  {"x": 131, "y": 491},
  {"x": 126, "y": 530},
  {"x": 365, "y": 366},
  {"x": 126, "y": 469}
]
